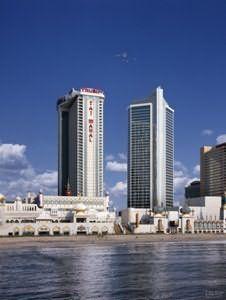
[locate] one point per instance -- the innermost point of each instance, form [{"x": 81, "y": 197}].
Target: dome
[
  {"x": 92, "y": 211},
  {"x": 2, "y": 198},
  {"x": 158, "y": 209},
  {"x": 18, "y": 198},
  {"x": 80, "y": 207},
  {"x": 185, "y": 210}
]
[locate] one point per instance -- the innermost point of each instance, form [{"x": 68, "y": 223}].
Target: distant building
[
  {"x": 80, "y": 154},
  {"x": 193, "y": 189},
  {"x": 213, "y": 170},
  {"x": 151, "y": 153}
]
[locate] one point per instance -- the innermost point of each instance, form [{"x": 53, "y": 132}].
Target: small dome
[
  {"x": 80, "y": 207},
  {"x": 92, "y": 211},
  {"x": 158, "y": 209},
  {"x": 18, "y": 198},
  {"x": 2, "y": 198},
  {"x": 185, "y": 210}
]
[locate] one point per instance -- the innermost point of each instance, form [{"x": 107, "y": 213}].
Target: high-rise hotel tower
[
  {"x": 151, "y": 153},
  {"x": 80, "y": 155},
  {"x": 213, "y": 170}
]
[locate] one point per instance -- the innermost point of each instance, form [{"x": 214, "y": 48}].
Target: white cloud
[
  {"x": 178, "y": 173},
  {"x": 221, "y": 139},
  {"x": 12, "y": 156},
  {"x": 207, "y": 132},
  {"x": 48, "y": 179},
  {"x": 17, "y": 176},
  {"x": 11, "y": 151},
  {"x": 196, "y": 170},
  {"x": 179, "y": 166},
  {"x": 115, "y": 166},
  {"x": 109, "y": 157},
  {"x": 122, "y": 156},
  {"x": 181, "y": 179},
  {"x": 120, "y": 188}
]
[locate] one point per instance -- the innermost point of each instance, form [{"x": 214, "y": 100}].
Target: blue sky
[{"x": 126, "y": 48}]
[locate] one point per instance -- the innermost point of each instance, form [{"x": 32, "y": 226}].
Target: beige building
[{"x": 213, "y": 170}]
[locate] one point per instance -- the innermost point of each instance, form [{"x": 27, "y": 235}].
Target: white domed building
[{"x": 56, "y": 215}]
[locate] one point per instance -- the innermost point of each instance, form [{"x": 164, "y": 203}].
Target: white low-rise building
[
  {"x": 224, "y": 216},
  {"x": 172, "y": 220},
  {"x": 68, "y": 215},
  {"x": 206, "y": 208},
  {"x": 56, "y": 215},
  {"x": 208, "y": 214},
  {"x": 199, "y": 215}
]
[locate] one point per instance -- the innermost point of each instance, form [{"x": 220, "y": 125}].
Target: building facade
[
  {"x": 208, "y": 212},
  {"x": 172, "y": 220},
  {"x": 81, "y": 143},
  {"x": 151, "y": 153},
  {"x": 213, "y": 170},
  {"x": 198, "y": 215},
  {"x": 67, "y": 215},
  {"x": 56, "y": 215}
]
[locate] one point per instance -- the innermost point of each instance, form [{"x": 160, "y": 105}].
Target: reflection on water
[{"x": 126, "y": 271}]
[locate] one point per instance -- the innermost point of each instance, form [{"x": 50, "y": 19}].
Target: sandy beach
[{"x": 69, "y": 241}]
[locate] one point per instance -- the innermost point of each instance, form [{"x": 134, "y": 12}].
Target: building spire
[{"x": 68, "y": 189}]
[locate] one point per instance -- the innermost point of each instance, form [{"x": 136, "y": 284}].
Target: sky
[{"x": 127, "y": 49}]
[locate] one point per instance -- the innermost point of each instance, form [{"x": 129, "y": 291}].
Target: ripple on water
[{"x": 126, "y": 271}]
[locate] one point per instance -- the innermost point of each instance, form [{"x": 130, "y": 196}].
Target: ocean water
[{"x": 164, "y": 270}]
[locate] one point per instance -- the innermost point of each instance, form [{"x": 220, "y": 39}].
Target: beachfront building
[
  {"x": 170, "y": 220},
  {"x": 150, "y": 153},
  {"x": 208, "y": 213},
  {"x": 81, "y": 143},
  {"x": 224, "y": 214},
  {"x": 198, "y": 215},
  {"x": 69, "y": 215},
  {"x": 206, "y": 208},
  {"x": 56, "y": 215}
]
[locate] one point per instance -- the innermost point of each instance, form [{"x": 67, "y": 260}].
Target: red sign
[
  {"x": 90, "y": 121},
  {"x": 91, "y": 90}
]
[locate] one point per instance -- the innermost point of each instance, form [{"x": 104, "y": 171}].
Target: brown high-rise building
[{"x": 213, "y": 170}]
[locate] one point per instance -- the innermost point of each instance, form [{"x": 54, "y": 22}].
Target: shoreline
[{"x": 70, "y": 241}]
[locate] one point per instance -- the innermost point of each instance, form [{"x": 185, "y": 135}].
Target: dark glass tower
[
  {"x": 139, "y": 156},
  {"x": 151, "y": 153}
]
